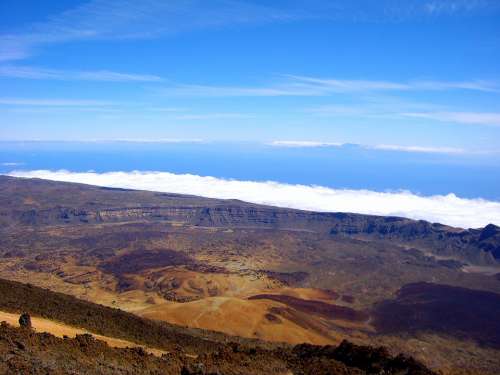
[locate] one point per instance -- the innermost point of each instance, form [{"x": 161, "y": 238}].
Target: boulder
[{"x": 25, "y": 321}]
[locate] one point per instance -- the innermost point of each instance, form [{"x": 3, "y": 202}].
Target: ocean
[{"x": 346, "y": 167}]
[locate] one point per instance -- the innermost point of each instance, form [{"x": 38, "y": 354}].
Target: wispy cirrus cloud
[
  {"x": 343, "y": 85},
  {"x": 306, "y": 144},
  {"x": 439, "y": 7},
  {"x": 212, "y": 116},
  {"x": 166, "y": 109},
  {"x": 26, "y": 72},
  {"x": 239, "y": 91},
  {"x": 473, "y": 118},
  {"x": 146, "y": 140},
  {"x": 419, "y": 149},
  {"x": 54, "y": 102},
  {"x": 399, "y": 109},
  {"x": 111, "y": 108},
  {"x": 293, "y": 85},
  {"x": 128, "y": 19},
  {"x": 136, "y": 140},
  {"x": 66, "y": 109},
  {"x": 371, "y": 107}
]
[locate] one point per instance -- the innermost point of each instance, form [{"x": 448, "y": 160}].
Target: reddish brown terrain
[{"x": 260, "y": 272}]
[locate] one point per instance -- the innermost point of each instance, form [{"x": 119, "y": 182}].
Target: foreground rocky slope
[
  {"x": 260, "y": 272},
  {"x": 23, "y": 350}
]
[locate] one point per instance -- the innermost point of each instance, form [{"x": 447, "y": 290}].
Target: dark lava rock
[
  {"x": 366, "y": 358},
  {"x": 466, "y": 314},
  {"x": 25, "y": 320}
]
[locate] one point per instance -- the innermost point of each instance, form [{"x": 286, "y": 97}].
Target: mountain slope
[{"x": 248, "y": 270}]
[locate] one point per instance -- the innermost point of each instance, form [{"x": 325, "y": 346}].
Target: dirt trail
[{"x": 61, "y": 329}]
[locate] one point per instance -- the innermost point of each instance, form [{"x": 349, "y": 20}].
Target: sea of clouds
[{"x": 447, "y": 209}]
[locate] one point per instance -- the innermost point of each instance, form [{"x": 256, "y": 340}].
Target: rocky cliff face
[
  {"x": 37, "y": 202},
  {"x": 488, "y": 239}
]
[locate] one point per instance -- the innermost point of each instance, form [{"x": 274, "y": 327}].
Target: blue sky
[{"x": 421, "y": 74}]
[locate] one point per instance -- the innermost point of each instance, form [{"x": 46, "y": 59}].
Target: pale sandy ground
[{"x": 60, "y": 330}]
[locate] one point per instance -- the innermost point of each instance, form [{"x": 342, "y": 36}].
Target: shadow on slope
[{"x": 459, "y": 312}]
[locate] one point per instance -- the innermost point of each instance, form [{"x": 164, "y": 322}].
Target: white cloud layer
[{"x": 447, "y": 209}]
